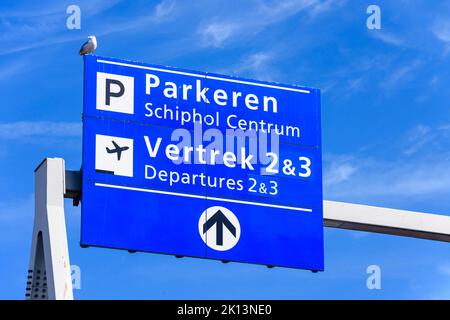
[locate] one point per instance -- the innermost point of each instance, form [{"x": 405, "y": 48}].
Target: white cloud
[
  {"x": 441, "y": 290},
  {"x": 255, "y": 65},
  {"x": 217, "y": 31},
  {"x": 382, "y": 179},
  {"x": 387, "y": 37},
  {"x": 283, "y": 9},
  {"x": 340, "y": 169},
  {"x": 164, "y": 8},
  {"x": 37, "y": 129},
  {"x": 444, "y": 269},
  {"x": 163, "y": 12},
  {"x": 417, "y": 137},
  {"x": 25, "y": 30},
  {"x": 400, "y": 75},
  {"x": 358, "y": 74},
  {"x": 427, "y": 139},
  {"x": 419, "y": 171},
  {"x": 441, "y": 30},
  {"x": 324, "y": 6},
  {"x": 14, "y": 68}
]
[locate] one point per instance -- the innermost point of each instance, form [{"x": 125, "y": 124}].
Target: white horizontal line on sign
[
  {"x": 200, "y": 75},
  {"x": 187, "y": 195}
]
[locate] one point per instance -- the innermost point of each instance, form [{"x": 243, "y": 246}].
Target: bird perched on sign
[{"x": 89, "y": 46}]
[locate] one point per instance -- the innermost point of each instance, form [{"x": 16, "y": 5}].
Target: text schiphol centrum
[{"x": 221, "y": 98}]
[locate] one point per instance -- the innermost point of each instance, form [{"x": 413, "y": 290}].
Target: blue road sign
[{"x": 199, "y": 164}]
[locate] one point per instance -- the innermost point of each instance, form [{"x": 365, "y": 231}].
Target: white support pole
[
  {"x": 49, "y": 275},
  {"x": 388, "y": 221}
]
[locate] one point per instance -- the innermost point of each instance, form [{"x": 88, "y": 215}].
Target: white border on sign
[
  {"x": 187, "y": 195},
  {"x": 200, "y": 76}
]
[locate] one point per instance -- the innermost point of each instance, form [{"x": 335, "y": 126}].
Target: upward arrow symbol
[{"x": 220, "y": 220}]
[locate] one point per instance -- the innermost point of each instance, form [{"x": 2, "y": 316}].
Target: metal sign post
[{"x": 49, "y": 269}]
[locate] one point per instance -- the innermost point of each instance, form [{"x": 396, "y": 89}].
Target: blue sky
[{"x": 385, "y": 119}]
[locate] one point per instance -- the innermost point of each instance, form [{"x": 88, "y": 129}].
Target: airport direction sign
[{"x": 203, "y": 165}]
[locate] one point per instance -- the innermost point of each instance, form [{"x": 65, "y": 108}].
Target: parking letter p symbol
[{"x": 117, "y": 93}]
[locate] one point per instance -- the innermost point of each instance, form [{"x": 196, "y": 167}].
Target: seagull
[{"x": 89, "y": 46}]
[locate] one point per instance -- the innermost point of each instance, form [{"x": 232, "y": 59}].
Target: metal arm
[{"x": 384, "y": 220}]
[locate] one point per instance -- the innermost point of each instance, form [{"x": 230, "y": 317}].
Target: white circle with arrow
[{"x": 219, "y": 228}]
